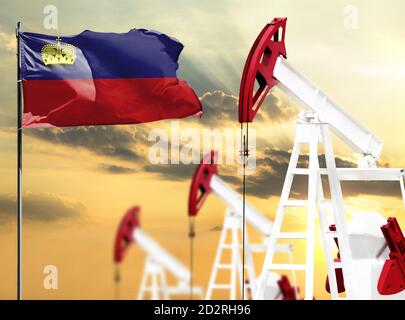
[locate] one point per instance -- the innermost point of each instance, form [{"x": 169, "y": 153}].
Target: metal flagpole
[
  {"x": 244, "y": 154},
  {"x": 19, "y": 167},
  {"x": 191, "y": 235}
]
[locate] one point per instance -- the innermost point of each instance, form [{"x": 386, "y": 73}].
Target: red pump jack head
[
  {"x": 200, "y": 185},
  {"x": 392, "y": 276},
  {"x": 259, "y": 66},
  {"x": 125, "y": 232},
  {"x": 287, "y": 290}
]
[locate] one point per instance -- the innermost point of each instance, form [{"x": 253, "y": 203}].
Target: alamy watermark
[
  {"x": 51, "y": 277},
  {"x": 185, "y": 145},
  {"x": 50, "y": 21},
  {"x": 351, "y": 17}
]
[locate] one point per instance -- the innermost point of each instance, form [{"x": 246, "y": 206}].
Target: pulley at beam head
[
  {"x": 259, "y": 66},
  {"x": 125, "y": 233},
  {"x": 200, "y": 185}
]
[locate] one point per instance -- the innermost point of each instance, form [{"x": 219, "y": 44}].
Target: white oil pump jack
[
  {"x": 159, "y": 262},
  {"x": 266, "y": 66},
  {"x": 205, "y": 181}
]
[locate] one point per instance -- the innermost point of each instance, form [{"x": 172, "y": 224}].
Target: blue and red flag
[{"x": 96, "y": 78}]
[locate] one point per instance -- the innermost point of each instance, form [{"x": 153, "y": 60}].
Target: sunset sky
[{"x": 78, "y": 182}]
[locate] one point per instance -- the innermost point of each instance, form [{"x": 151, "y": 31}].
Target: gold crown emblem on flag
[{"x": 58, "y": 53}]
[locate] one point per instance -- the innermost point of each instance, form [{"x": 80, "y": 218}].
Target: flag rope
[
  {"x": 244, "y": 154},
  {"x": 117, "y": 280},
  {"x": 191, "y": 236}
]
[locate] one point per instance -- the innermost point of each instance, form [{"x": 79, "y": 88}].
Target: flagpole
[{"x": 19, "y": 167}]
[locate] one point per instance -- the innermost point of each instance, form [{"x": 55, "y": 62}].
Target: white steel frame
[{"x": 313, "y": 129}]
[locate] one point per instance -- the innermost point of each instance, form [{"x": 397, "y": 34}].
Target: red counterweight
[
  {"x": 124, "y": 237},
  {"x": 259, "y": 66},
  {"x": 200, "y": 186},
  {"x": 338, "y": 271},
  {"x": 392, "y": 277},
  {"x": 287, "y": 290}
]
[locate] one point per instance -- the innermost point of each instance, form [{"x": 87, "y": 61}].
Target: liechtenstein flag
[{"x": 96, "y": 78}]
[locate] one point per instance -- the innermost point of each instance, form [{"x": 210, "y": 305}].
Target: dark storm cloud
[
  {"x": 377, "y": 188},
  {"x": 277, "y": 110},
  {"x": 42, "y": 207},
  {"x": 271, "y": 169},
  {"x": 279, "y": 159},
  {"x": 231, "y": 179},
  {"x": 109, "y": 141},
  {"x": 270, "y": 173},
  {"x": 175, "y": 172},
  {"x": 220, "y": 108},
  {"x": 114, "y": 169}
]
